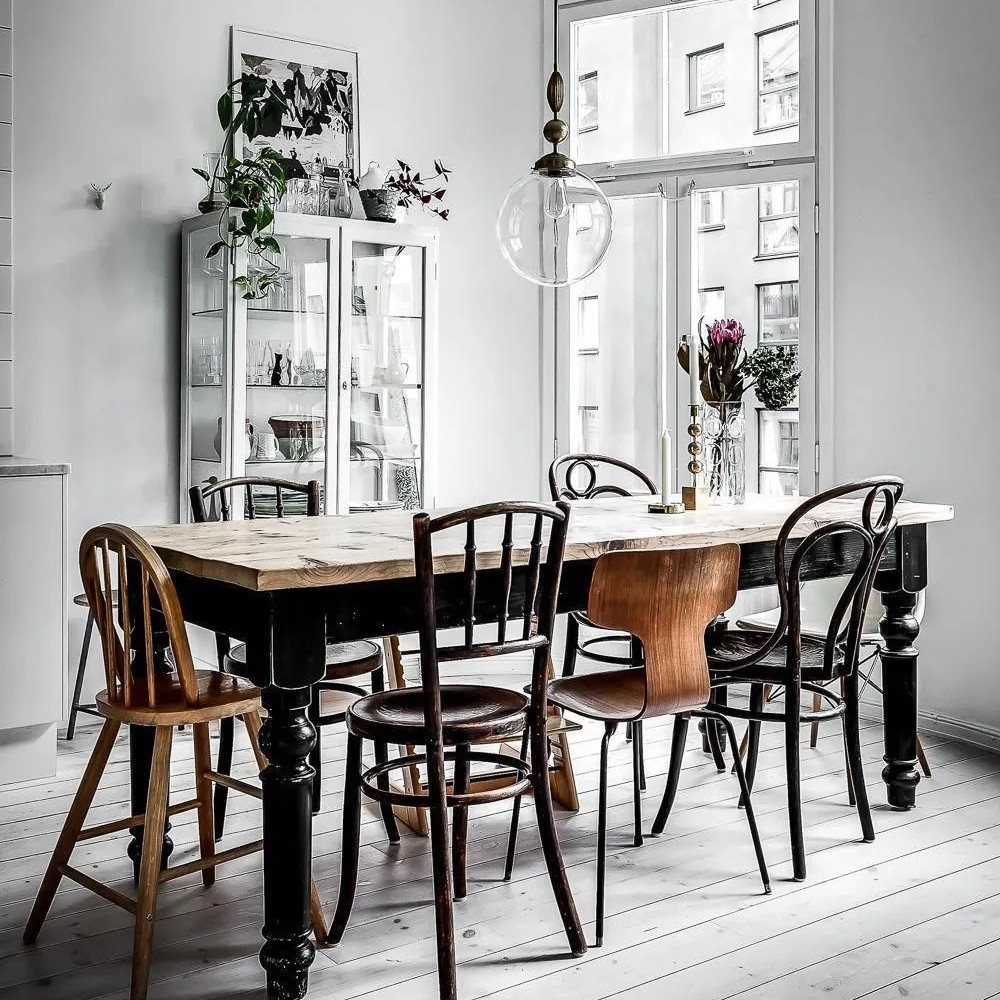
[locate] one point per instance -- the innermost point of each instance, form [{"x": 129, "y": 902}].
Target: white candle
[
  {"x": 694, "y": 353},
  {"x": 666, "y": 466}
]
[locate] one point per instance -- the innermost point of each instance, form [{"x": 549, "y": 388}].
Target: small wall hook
[{"x": 99, "y": 193}]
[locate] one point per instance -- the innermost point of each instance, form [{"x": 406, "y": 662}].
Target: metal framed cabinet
[{"x": 328, "y": 376}]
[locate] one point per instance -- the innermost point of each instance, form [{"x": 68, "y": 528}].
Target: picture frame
[{"x": 322, "y": 84}]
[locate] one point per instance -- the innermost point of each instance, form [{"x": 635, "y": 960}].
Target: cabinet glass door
[
  {"x": 387, "y": 359},
  {"x": 206, "y": 361},
  {"x": 286, "y": 368}
]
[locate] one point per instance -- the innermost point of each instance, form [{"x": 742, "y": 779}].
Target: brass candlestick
[{"x": 695, "y": 497}]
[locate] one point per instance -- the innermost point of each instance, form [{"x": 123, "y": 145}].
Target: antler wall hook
[{"x": 99, "y": 193}]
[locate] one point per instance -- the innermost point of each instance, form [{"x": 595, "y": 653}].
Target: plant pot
[
  {"x": 380, "y": 204},
  {"x": 725, "y": 431}
]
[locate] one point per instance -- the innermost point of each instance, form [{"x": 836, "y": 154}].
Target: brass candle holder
[{"x": 695, "y": 496}]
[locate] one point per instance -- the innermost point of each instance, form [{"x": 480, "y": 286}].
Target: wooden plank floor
[{"x": 916, "y": 914}]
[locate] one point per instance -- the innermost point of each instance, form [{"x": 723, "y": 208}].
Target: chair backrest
[
  {"x": 254, "y": 505},
  {"x": 584, "y": 477},
  {"x": 522, "y": 582},
  {"x": 862, "y": 541},
  {"x": 113, "y": 556},
  {"x": 667, "y": 599}
]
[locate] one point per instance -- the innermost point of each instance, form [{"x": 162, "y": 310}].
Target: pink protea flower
[{"x": 726, "y": 331}]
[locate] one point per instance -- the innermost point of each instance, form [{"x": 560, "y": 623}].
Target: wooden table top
[{"x": 300, "y": 552}]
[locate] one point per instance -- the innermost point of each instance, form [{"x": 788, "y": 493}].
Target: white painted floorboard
[{"x": 916, "y": 914}]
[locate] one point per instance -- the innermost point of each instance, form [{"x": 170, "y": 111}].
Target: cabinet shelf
[
  {"x": 360, "y": 315},
  {"x": 388, "y": 385},
  {"x": 264, "y": 314}
]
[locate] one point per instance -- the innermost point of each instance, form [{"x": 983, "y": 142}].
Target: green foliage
[
  {"x": 777, "y": 374},
  {"x": 252, "y": 186}
]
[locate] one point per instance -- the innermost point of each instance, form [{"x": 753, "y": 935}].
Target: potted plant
[
  {"x": 776, "y": 373},
  {"x": 384, "y": 195},
  {"x": 251, "y": 186}
]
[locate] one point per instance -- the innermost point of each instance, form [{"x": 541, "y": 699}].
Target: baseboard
[{"x": 974, "y": 733}]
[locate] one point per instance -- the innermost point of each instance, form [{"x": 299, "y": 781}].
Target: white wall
[
  {"x": 125, "y": 91},
  {"x": 916, "y": 155}
]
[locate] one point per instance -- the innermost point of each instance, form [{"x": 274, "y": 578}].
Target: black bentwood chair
[
  {"x": 788, "y": 657},
  {"x": 345, "y": 661},
  {"x": 589, "y": 477},
  {"x": 448, "y": 719}
]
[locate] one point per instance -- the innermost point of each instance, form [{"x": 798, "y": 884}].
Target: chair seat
[
  {"x": 220, "y": 696},
  {"x": 765, "y": 621},
  {"x": 343, "y": 659},
  {"x": 81, "y": 600},
  {"x": 609, "y": 695},
  {"x": 735, "y": 644},
  {"x": 470, "y": 714}
]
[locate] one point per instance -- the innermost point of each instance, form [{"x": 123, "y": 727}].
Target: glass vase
[{"x": 725, "y": 430}]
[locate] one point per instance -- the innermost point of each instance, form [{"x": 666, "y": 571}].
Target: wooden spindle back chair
[
  {"x": 151, "y": 681},
  {"x": 516, "y": 586}
]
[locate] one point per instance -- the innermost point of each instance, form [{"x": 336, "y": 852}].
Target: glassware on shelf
[{"x": 339, "y": 203}]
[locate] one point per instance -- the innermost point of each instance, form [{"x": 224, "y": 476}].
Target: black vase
[{"x": 276, "y": 370}]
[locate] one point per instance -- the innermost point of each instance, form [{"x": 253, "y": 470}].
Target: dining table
[{"x": 288, "y": 586}]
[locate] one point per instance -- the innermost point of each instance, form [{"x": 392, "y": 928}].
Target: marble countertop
[{"x": 18, "y": 465}]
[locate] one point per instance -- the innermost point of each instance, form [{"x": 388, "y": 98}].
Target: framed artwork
[{"x": 320, "y": 85}]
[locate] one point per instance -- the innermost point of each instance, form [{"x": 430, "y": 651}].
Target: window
[
  {"x": 589, "y": 324},
  {"x": 711, "y": 304},
  {"x": 711, "y": 208},
  {"x": 778, "y": 313},
  {"x": 778, "y": 219},
  {"x": 587, "y": 106},
  {"x": 778, "y": 432},
  {"x": 778, "y": 78},
  {"x": 706, "y": 79}
]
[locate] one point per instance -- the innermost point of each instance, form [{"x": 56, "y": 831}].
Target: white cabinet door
[{"x": 32, "y": 600}]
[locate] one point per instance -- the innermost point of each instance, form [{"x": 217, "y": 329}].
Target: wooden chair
[
  {"x": 138, "y": 694},
  {"x": 88, "y": 633},
  {"x": 589, "y": 477},
  {"x": 667, "y": 600},
  {"x": 265, "y": 497},
  {"x": 786, "y": 656},
  {"x": 437, "y": 716}
]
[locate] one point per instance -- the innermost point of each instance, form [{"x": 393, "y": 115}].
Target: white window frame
[
  {"x": 713, "y": 227},
  {"x": 668, "y": 176},
  {"x": 589, "y": 75},
  {"x": 767, "y": 129}
]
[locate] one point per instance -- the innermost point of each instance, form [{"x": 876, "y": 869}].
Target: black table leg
[
  {"x": 899, "y": 585},
  {"x": 140, "y": 749},
  {"x": 899, "y": 630},
  {"x": 287, "y": 738}
]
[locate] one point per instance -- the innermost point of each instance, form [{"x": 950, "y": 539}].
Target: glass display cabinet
[{"x": 326, "y": 377}]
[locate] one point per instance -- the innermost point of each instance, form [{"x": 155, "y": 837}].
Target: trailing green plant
[
  {"x": 252, "y": 185},
  {"x": 777, "y": 373}
]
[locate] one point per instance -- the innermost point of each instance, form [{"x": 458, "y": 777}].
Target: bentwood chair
[
  {"x": 786, "y": 656},
  {"x": 667, "y": 600},
  {"x": 819, "y": 599},
  {"x": 447, "y": 720},
  {"x": 139, "y": 694},
  {"x": 590, "y": 477},
  {"x": 265, "y": 497}
]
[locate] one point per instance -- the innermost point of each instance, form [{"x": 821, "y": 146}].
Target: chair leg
[
  {"x": 714, "y": 737},
  {"x": 814, "y": 726},
  {"x": 602, "y": 832},
  {"x": 149, "y": 864},
  {"x": 793, "y": 779},
  {"x": 203, "y": 786},
  {"x": 542, "y": 797},
  {"x": 572, "y": 645},
  {"x": 460, "y": 823},
  {"x": 351, "y": 846},
  {"x": 81, "y": 670},
  {"x": 381, "y": 757},
  {"x": 642, "y": 756},
  {"x": 316, "y": 755},
  {"x": 515, "y": 815},
  {"x": 745, "y": 795},
  {"x": 922, "y": 757},
  {"x": 224, "y": 765},
  {"x": 637, "y": 784},
  {"x": 71, "y": 828},
  {"x": 758, "y": 699},
  {"x": 852, "y": 738},
  {"x": 673, "y": 776},
  {"x": 444, "y": 917}
]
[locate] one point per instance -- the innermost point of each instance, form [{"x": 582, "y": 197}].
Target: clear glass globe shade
[{"x": 555, "y": 230}]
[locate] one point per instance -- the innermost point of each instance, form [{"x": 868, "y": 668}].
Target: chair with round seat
[
  {"x": 266, "y": 497},
  {"x": 448, "y": 720},
  {"x": 819, "y": 599},
  {"x": 666, "y": 599},
  {"x": 88, "y": 633},
  {"x": 163, "y": 691}
]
